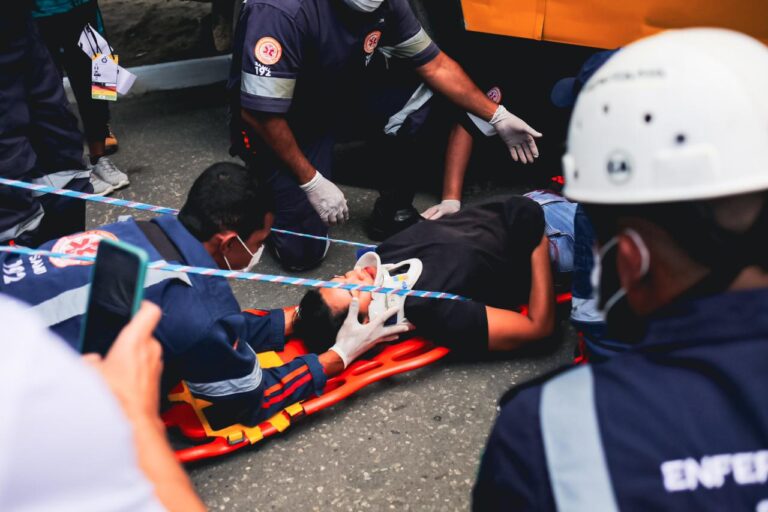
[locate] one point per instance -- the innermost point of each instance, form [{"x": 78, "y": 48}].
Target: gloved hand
[
  {"x": 355, "y": 339},
  {"x": 516, "y": 134},
  {"x": 327, "y": 200},
  {"x": 446, "y": 207}
]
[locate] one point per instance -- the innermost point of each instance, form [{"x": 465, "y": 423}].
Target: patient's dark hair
[
  {"x": 316, "y": 324},
  {"x": 226, "y": 196}
]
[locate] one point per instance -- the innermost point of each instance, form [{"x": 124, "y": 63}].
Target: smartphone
[{"x": 117, "y": 289}]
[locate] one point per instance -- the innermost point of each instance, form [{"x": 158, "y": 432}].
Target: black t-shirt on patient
[{"x": 482, "y": 252}]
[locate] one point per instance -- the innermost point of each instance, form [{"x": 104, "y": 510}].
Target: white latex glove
[
  {"x": 327, "y": 200},
  {"x": 446, "y": 207},
  {"x": 516, "y": 134},
  {"x": 355, "y": 339}
]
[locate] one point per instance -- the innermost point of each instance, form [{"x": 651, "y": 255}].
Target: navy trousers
[{"x": 38, "y": 135}]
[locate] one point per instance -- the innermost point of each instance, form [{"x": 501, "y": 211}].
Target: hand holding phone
[{"x": 117, "y": 289}]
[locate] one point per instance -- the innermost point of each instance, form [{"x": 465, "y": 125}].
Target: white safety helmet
[{"x": 682, "y": 115}]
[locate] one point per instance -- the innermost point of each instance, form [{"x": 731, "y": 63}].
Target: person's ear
[
  {"x": 222, "y": 241},
  {"x": 633, "y": 259}
]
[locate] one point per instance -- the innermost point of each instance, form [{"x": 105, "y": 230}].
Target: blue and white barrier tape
[
  {"x": 248, "y": 276},
  {"x": 149, "y": 207}
]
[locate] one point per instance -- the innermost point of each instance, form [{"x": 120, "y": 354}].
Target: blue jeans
[{"x": 559, "y": 228}]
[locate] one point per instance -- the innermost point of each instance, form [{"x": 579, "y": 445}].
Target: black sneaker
[{"x": 385, "y": 221}]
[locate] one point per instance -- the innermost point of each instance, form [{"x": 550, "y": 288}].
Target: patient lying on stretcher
[{"x": 496, "y": 253}]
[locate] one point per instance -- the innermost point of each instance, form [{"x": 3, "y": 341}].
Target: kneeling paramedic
[
  {"x": 676, "y": 187},
  {"x": 207, "y": 341},
  {"x": 296, "y": 79}
]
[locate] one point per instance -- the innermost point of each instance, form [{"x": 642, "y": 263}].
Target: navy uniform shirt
[
  {"x": 682, "y": 419},
  {"x": 207, "y": 340},
  {"x": 482, "y": 252},
  {"x": 306, "y": 58}
]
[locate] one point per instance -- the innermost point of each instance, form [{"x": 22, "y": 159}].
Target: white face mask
[
  {"x": 598, "y": 256},
  {"x": 255, "y": 257},
  {"x": 363, "y": 5}
]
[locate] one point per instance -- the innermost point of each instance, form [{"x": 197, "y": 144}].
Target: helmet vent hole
[
  {"x": 648, "y": 118},
  {"x": 680, "y": 138},
  {"x": 606, "y": 108}
]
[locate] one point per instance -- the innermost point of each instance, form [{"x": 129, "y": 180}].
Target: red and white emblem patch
[
  {"x": 268, "y": 51},
  {"x": 371, "y": 41},
  {"x": 494, "y": 94},
  {"x": 81, "y": 244}
]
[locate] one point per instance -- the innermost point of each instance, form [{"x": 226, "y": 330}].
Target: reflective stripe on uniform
[
  {"x": 28, "y": 224},
  {"x": 228, "y": 387},
  {"x": 72, "y": 303},
  {"x": 60, "y": 179},
  {"x": 267, "y": 86},
  {"x": 420, "y": 96},
  {"x": 410, "y": 47},
  {"x": 578, "y": 471}
]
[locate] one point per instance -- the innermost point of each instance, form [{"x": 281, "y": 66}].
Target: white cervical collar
[{"x": 387, "y": 277}]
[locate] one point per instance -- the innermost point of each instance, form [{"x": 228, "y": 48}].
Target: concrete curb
[{"x": 178, "y": 74}]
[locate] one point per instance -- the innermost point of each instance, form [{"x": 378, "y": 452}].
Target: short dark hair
[
  {"x": 226, "y": 196},
  {"x": 315, "y": 323}
]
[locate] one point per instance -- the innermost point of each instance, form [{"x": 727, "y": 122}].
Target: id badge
[{"x": 104, "y": 72}]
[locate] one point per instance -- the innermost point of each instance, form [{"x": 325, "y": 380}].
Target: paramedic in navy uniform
[
  {"x": 207, "y": 340},
  {"x": 297, "y": 72},
  {"x": 667, "y": 151}
]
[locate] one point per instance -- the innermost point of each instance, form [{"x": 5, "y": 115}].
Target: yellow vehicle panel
[{"x": 610, "y": 23}]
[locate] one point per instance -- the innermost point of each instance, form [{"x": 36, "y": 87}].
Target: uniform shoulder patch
[
  {"x": 494, "y": 94},
  {"x": 80, "y": 244},
  {"x": 371, "y": 41},
  {"x": 268, "y": 51}
]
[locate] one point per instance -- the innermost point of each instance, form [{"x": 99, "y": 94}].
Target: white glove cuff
[
  {"x": 313, "y": 183},
  {"x": 501, "y": 113},
  {"x": 344, "y": 358},
  {"x": 452, "y": 202}
]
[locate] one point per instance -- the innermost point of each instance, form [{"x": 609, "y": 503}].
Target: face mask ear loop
[
  {"x": 645, "y": 255},
  {"x": 607, "y": 247},
  {"x": 226, "y": 261},
  {"x": 616, "y": 297},
  {"x": 245, "y": 246}
]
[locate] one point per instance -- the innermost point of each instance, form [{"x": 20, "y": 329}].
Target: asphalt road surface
[{"x": 411, "y": 442}]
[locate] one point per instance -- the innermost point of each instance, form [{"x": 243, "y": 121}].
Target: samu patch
[
  {"x": 80, "y": 244},
  {"x": 371, "y": 41},
  {"x": 494, "y": 94},
  {"x": 268, "y": 51}
]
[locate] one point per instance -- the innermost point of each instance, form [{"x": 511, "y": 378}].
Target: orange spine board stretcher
[
  {"x": 187, "y": 412},
  {"x": 610, "y": 23}
]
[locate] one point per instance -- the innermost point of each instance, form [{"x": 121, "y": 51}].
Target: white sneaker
[
  {"x": 107, "y": 171},
  {"x": 100, "y": 187}
]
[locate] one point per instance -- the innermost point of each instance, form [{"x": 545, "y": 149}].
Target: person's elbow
[
  {"x": 429, "y": 71},
  {"x": 504, "y": 335}
]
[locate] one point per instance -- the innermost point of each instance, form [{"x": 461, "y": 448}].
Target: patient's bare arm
[{"x": 508, "y": 330}]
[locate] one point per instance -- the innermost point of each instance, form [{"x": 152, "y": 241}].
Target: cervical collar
[{"x": 387, "y": 276}]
